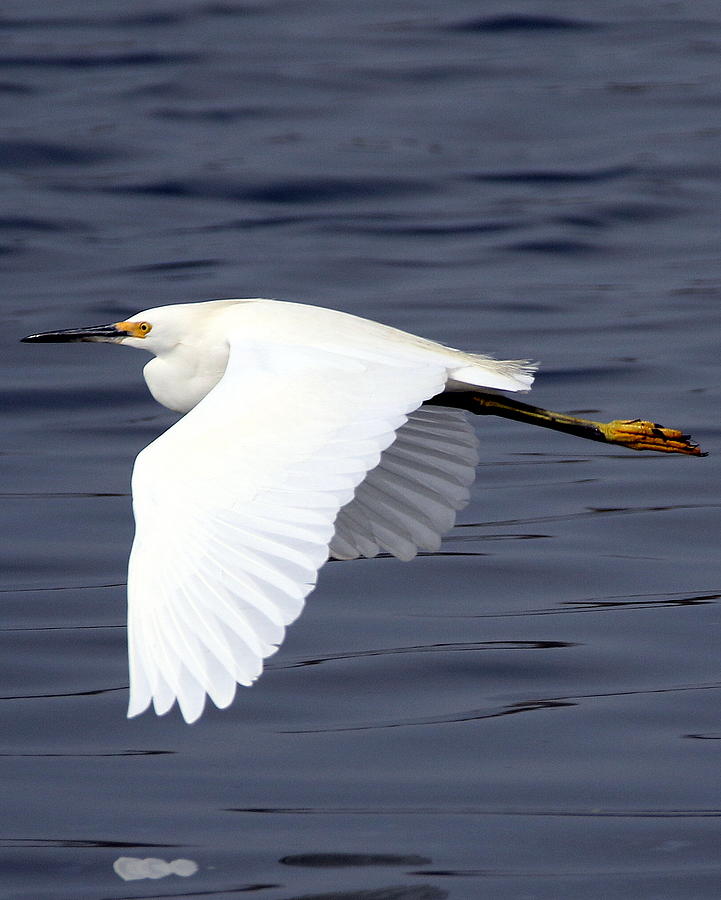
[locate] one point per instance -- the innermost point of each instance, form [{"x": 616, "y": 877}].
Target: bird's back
[{"x": 297, "y": 324}]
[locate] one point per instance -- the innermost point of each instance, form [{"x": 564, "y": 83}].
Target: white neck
[{"x": 180, "y": 379}]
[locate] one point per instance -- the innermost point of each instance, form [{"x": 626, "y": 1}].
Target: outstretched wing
[
  {"x": 235, "y": 508},
  {"x": 411, "y": 497}
]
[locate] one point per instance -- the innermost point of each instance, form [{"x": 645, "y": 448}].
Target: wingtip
[{"x": 136, "y": 708}]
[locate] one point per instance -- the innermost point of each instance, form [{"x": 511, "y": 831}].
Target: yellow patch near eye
[{"x": 134, "y": 329}]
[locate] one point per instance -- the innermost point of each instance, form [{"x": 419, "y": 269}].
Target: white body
[
  {"x": 194, "y": 351},
  {"x": 305, "y": 436}
]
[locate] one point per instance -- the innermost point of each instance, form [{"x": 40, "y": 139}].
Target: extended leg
[{"x": 632, "y": 433}]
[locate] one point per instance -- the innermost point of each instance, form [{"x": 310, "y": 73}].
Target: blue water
[{"x": 532, "y": 712}]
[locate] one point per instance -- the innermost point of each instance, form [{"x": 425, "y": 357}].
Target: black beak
[{"x": 108, "y": 333}]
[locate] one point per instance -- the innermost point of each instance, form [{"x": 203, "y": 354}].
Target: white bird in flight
[{"x": 307, "y": 435}]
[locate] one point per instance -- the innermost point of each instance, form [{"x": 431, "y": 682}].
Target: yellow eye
[{"x": 143, "y": 328}]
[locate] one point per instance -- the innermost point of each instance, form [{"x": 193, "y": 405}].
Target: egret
[{"x": 307, "y": 434}]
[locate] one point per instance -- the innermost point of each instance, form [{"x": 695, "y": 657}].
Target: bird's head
[
  {"x": 135, "y": 332},
  {"x": 156, "y": 330}
]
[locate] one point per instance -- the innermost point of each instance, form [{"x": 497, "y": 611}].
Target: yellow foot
[{"x": 639, "y": 435}]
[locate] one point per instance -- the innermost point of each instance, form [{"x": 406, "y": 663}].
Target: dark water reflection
[{"x": 534, "y": 710}]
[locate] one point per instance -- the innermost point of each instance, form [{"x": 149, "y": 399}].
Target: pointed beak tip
[{"x": 35, "y": 339}]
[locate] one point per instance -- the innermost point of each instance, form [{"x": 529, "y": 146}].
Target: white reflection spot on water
[{"x": 130, "y": 868}]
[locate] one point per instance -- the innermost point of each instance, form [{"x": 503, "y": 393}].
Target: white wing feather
[
  {"x": 235, "y": 508},
  {"x": 411, "y": 498}
]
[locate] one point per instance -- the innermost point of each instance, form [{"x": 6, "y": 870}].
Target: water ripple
[
  {"x": 64, "y": 694},
  {"x": 475, "y": 715},
  {"x": 306, "y": 191},
  {"x": 554, "y": 245},
  {"x": 27, "y": 223},
  {"x": 590, "y": 512},
  {"x": 10, "y": 842},
  {"x": 427, "y": 648},
  {"x": 518, "y": 22},
  {"x": 621, "y": 603},
  {"x": 92, "y": 755},
  {"x": 607, "y": 813},
  {"x": 26, "y": 154},
  {"x": 346, "y": 860},
  {"x": 98, "y": 60},
  {"x": 553, "y": 177}
]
